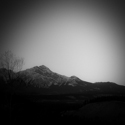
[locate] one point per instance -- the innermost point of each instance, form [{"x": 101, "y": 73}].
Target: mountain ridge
[
  {"x": 43, "y": 80},
  {"x": 43, "y": 72},
  {"x": 62, "y": 84}
]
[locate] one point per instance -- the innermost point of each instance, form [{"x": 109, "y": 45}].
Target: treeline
[{"x": 105, "y": 97}]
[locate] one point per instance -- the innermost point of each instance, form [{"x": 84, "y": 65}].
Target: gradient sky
[{"x": 73, "y": 37}]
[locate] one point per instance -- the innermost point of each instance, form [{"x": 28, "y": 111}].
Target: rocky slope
[
  {"x": 42, "y": 76},
  {"x": 40, "y": 79}
]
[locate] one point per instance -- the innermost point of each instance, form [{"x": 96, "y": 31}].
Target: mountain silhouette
[
  {"x": 41, "y": 80},
  {"x": 42, "y": 76}
]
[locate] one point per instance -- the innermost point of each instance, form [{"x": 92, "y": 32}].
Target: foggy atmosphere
[{"x": 62, "y": 60}]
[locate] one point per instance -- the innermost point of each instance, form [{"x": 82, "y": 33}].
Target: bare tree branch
[{"x": 11, "y": 63}]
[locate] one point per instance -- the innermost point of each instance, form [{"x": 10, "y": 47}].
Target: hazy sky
[{"x": 72, "y": 37}]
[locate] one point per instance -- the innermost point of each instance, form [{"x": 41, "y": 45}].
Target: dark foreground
[{"x": 62, "y": 109}]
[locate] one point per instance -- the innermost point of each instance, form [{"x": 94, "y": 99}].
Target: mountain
[
  {"x": 41, "y": 80},
  {"x": 42, "y": 76},
  {"x": 48, "y": 81}
]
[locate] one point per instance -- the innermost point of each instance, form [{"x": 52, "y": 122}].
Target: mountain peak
[
  {"x": 75, "y": 77},
  {"x": 43, "y": 67}
]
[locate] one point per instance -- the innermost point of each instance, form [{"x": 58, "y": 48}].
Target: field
[{"x": 57, "y": 109}]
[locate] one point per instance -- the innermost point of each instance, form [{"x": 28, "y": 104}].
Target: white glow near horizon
[{"x": 70, "y": 42}]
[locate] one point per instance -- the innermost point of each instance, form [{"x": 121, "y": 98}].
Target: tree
[{"x": 11, "y": 63}]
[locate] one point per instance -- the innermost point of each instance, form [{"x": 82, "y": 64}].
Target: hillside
[{"x": 41, "y": 80}]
